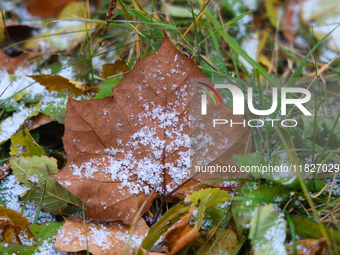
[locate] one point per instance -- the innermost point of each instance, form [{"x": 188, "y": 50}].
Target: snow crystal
[
  {"x": 125, "y": 164},
  {"x": 47, "y": 248},
  {"x": 34, "y": 179},
  {"x": 10, "y": 125},
  {"x": 10, "y": 192},
  {"x": 277, "y": 235}
]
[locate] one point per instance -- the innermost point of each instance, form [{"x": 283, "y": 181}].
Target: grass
[{"x": 209, "y": 38}]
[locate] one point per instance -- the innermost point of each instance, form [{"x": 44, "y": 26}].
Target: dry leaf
[
  {"x": 37, "y": 121},
  {"x": 309, "y": 247},
  {"x": 59, "y": 83},
  {"x": 46, "y": 8},
  {"x": 12, "y": 63},
  {"x": 180, "y": 234},
  {"x": 119, "y": 67},
  {"x": 118, "y": 151},
  {"x": 12, "y": 224},
  {"x": 291, "y": 24},
  {"x": 103, "y": 238}
]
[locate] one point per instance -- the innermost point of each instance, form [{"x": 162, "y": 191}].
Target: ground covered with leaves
[{"x": 98, "y": 127}]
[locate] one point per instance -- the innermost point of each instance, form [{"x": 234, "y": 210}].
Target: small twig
[{"x": 109, "y": 15}]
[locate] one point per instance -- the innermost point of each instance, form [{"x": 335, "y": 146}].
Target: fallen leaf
[
  {"x": 119, "y": 150},
  {"x": 119, "y": 67},
  {"x": 73, "y": 9},
  {"x": 291, "y": 24},
  {"x": 309, "y": 247},
  {"x": 39, "y": 238},
  {"x": 225, "y": 244},
  {"x": 307, "y": 228},
  {"x": 182, "y": 224},
  {"x": 273, "y": 10},
  {"x": 34, "y": 173},
  {"x": 10, "y": 125},
  {"x": 12, "y": 63},
  {"x": 53, "y": 41},
  {"x": 23, "y": 144},
  {"x": 268, "y": 231},
  {"x": 13, "y": 225},
  {"x": 169, "y": 219},
  {"x": 180, "y": 233},
  {"x": 107, "y": 88},
  {"x": 59, "y": 83},
  {"x": 246, "y": 205},
  {"x": 56, "y": 108},
  {"x": 4, "y": 171},
  {"x": 37, "y": 121},
  {"x": 16, "y": 218},
  {"x": 324, "y": 16},
  {"x": 103, "y": 238},
  {"x": 46, "y": 8}
]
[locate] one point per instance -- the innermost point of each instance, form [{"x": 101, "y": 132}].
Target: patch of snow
[
  {"x": 250, "y": 46},
  {"x": 11, "y": 189}
]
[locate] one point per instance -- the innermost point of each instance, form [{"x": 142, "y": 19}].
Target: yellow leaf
[
  {"x": 59, "y": 83},
  {"x": 225, "y": 244},
  {"x": 2, "y": 27},
  {"x": 15, "y": 217},
  {"x": 75, "y": 9},
  {"x": 119, "y": 67},
  {"x": 23, "y": 144},
  {"x": 274, "y": 8}
]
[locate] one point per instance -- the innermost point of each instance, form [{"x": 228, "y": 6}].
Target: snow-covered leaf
[
  {"x": 250, "y": 196},
  {"x": 119, "y": 150},
  {"x": 103, "y": 238},
  {"x": 323, "y": 16},
  {"x": 54, "y": 106},
  {"x": 268, "y": 232},
  {"x": 43, "y": 242},
  {"x": 10, "y": 125}
]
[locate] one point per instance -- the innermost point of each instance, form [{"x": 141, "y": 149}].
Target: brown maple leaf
[{"x": 121, "y": 148}]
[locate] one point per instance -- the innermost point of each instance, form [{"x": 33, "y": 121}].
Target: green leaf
[
  {"x": 23, "y": 144},
  {"x": 268, "y": 231},
  {"x": 251, "y": 159},
  {"x": 249, "y": 198},
  {"x": 56, "y": 109},
  {"x": 108, "y": 85},
  {"x": 323, "y": 124},
  {"x": 34, "y": 172},
  {"x": 21, "y": 166},
  {"x": 44, "y": 235},
  {"x": 217, "y": 196},
  {"x": 216, "y": 205}
]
